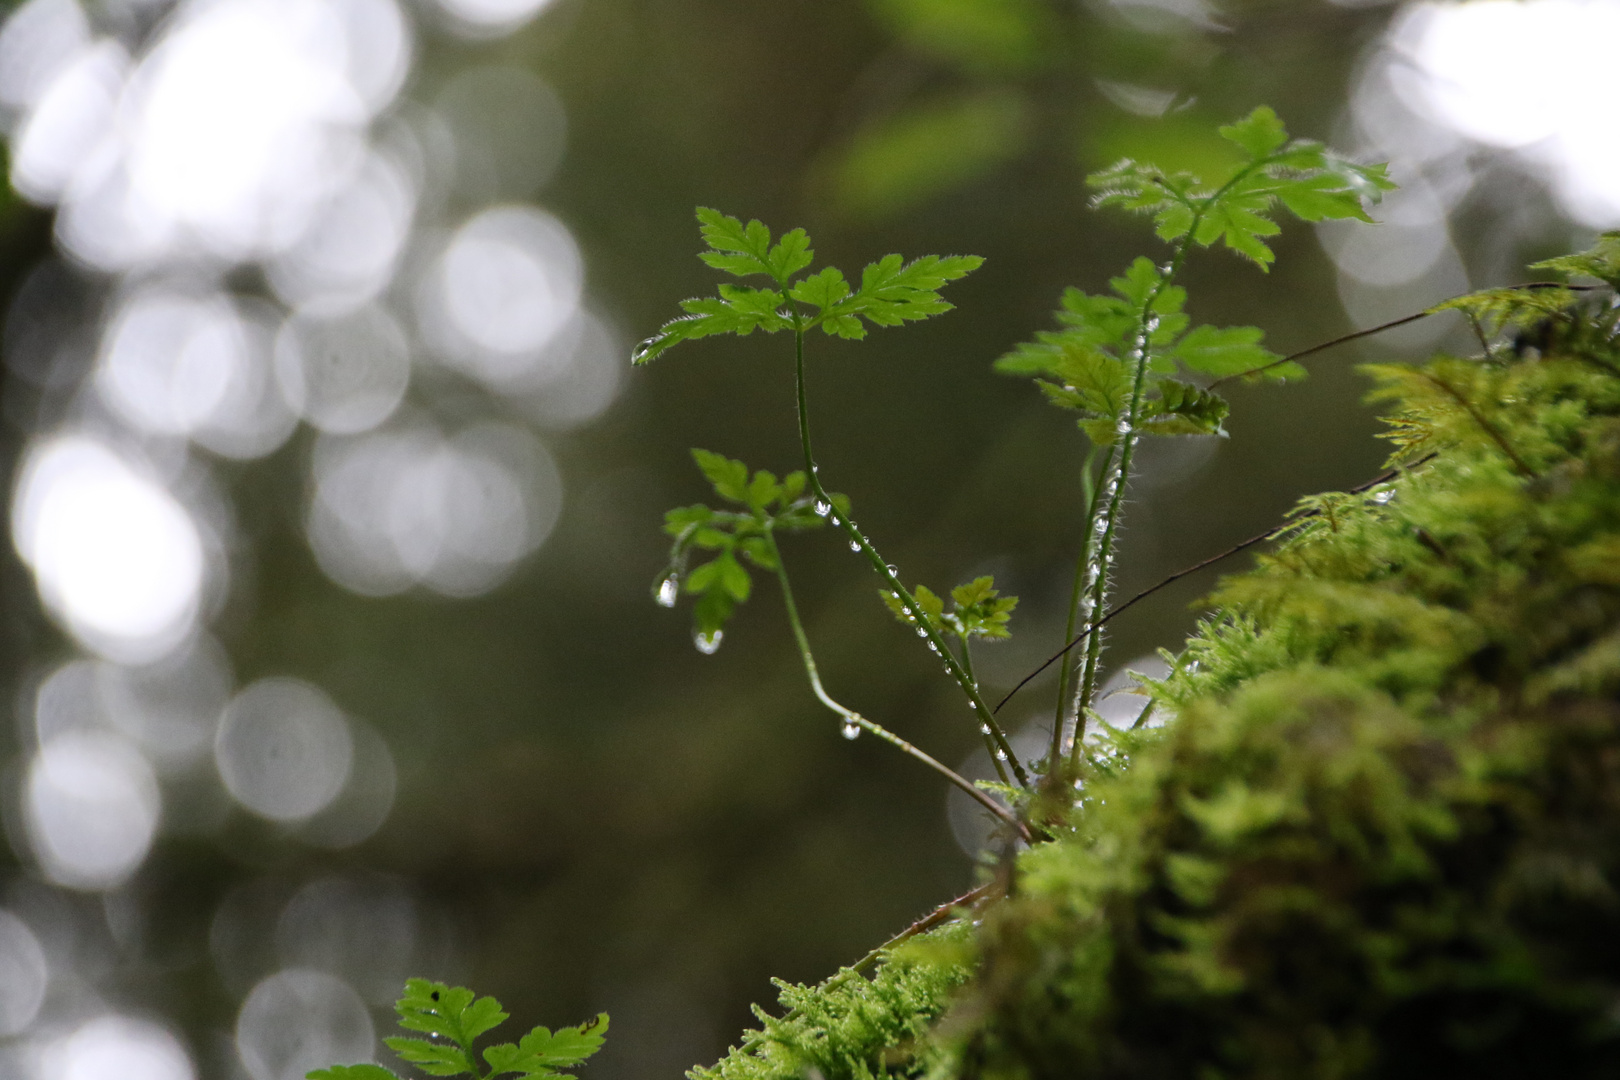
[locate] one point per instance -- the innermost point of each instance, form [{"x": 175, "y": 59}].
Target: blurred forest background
[{"x": 335, "y": 503}]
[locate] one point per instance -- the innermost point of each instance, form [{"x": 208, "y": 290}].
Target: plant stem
[
  {"x": 850, "y": 716},
  {"x": 1077, "y": 598},
  {"x": 1113, "y": 489},
  {"x": 995, "y": 739}
]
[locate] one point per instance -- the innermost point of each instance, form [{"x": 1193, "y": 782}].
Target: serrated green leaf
[
  {"x": 682, "y": 518},
  {"x": 351, "y": 1072},
  {"x": 435, "y": 1059},
  {"x": 823, "y": 288},
  {"x": 1235, "y": 209},
  {"x": 1601, "y": 261},
  {"x": 981, "y": 611},
  {"x": 1183, "y": 409},
  {"x": 792, "y": 487},
  {"x": 541, "y": 1053},
  {"x": 976, "y": 591},
  {"x": 893, "y": 291},
  {"x": 451, "y": 1011},
  {"x": 930, "y": 603},
  {"x": 790, "y": 255},
  {"x": 712, "y": 611},
  {"x": 747, "y": 245},
  {"x": 758, "y": 550},
  {"x": 729, "y": 476},
  {"x": 1258, "y": 134},
  {"x": 1221, "y": 351},
  {"x": 733, "y": 578},
  {"x": 762, "y": 491}
]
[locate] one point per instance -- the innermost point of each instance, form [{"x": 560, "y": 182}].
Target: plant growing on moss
[
  {"x": 1118, "y": 361},
  {"x": 1379, "y": 838}
]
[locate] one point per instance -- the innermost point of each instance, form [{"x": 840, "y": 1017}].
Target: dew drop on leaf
[
  {"x": 823, "y": 508},
  {"x": 667, "y": 590},
  {"x": 707, "y": 644},
  {"x": 852, "y": 730},
  {"x": 854, "y": 545},
  {"x": 640, "y": 352},
  {"x": 984, "y": 729}
]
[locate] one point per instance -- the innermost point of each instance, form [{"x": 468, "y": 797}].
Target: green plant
[
  {"x": 1378, "y": 838},
  {"x": 453, "y": 1019},
  {"x": 1116, "y": 361}
]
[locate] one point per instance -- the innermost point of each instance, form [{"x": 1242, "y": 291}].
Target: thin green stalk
[
  {"x": 851, "y": 717},
  {"x": 1114, "y": 487},
  {"x": 1001, "y": 750},
  {"x": 1082, "y": 563}
]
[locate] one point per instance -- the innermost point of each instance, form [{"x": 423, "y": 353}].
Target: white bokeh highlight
[
  {"x": 1532, "y": 76},
  {"x": 283, "y": 749},
  {"x": 27, "y": 975},
  {"x": 117, "y": 1048},
  {"x": 92, "y": 807},
  {"x": 408, "y": 507},
  {"x": 298, "y": 1020},
  {"x": 114, "y": 554}
]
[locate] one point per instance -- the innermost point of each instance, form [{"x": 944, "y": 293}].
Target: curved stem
[
  {"x": 850, "y": 716},
  {"x": 995, "y": 739}
]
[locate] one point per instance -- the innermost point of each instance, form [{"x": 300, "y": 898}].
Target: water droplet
[
  {"x": 707, "y": 644},
  {"x": 823, "y": 508},
  {"x": 854, "y": 545},
  {"x": 1383, "y": 497},
  {"x": 893, "y": 569},
  {"x": 667, "y": 591},
  {"x": 922, "y": 632},
  {"x": 852, "y": 730},
  {"x": 1165, "y": 268},
  {"x": 1001, "y": 755},
  {"x": 1123, "y": 427},
  {"x": 984, "y": 729},
  {"x": 932, "y": 647},
  {"x": 640, "y": 352}
]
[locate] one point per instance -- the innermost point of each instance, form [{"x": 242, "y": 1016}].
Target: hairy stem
[
  {"x": 1077, "y": 600},
  {"x": 1001, "y": 750},
  {"x": 1113, "y": 489},
  {"x": 850, "y": 716}
]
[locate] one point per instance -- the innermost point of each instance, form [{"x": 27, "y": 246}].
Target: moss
[
  {"x": 854, "y": 1028},
  {"x": 1382, "y": 835}
]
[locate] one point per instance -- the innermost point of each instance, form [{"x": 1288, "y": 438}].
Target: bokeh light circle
[
  {"x": 345, "y": 374},
  {"x": 26, "y": 975},
  {"x": 118, "y": 1048},
  {"x": 114, "y": 554},
  {"x": 93, "y": 808},
  {"x": 298, "y": 1020},
  {"x": 283, "y": 749}
]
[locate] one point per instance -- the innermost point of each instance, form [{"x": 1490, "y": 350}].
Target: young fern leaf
[
  {"x": 452, "y": 1018},
  {"x": 891, "y": 292},
  {"x": 979, "y": 609},
  {"x": 1309, "y": 181},
  {"x": 737, "y": 538},
  {"x": 1601, "y": 261},
  {"x": 1088, "y": 365}
]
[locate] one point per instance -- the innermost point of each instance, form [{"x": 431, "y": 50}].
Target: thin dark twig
[
  {"x": 1345, "y": 338},
  {"x": 922, "y": 925},
  {"x": 1273, "y": 532},
  {"x": 1479, "y": 418}
]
